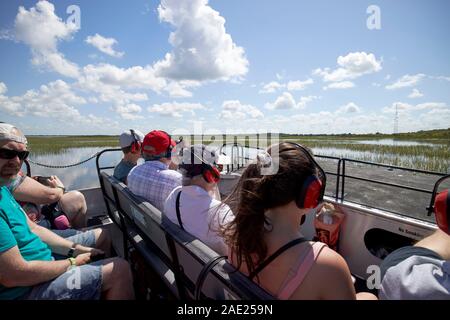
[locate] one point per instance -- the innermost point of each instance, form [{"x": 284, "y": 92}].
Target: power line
[{"x": 396, "y": 120}]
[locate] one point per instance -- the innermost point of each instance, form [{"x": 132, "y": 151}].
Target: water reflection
[
  {"x": 79, "y": 177},
  {"x": 392, "y": 142},
  {"x": 85, "y": 175}
]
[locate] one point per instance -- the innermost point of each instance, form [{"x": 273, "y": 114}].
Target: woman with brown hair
[{"x": 265, "y": 240}]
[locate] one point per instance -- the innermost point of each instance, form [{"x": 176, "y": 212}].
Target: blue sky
[{"x": 224, "y": 66}]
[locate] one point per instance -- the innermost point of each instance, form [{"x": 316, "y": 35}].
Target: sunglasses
[{"x": 11, "y": 154}]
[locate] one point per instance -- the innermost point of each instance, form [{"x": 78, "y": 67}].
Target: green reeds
[
  {"x": 57, "y": 144},
  {"x": 434, "y": 156}
]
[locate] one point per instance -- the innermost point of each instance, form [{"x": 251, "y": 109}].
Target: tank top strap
[{"x": 299, "y": 271}]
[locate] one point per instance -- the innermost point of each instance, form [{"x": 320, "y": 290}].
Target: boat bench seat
[{"x": 187, "y": 266}]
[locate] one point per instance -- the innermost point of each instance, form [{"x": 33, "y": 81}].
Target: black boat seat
[{"x": 189, "y": 268}]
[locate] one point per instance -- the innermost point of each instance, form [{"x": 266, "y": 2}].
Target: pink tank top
[{"x": 299, "y": 270}]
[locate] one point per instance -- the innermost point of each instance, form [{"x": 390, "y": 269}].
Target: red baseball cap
[{"x": 157, "y": 142}]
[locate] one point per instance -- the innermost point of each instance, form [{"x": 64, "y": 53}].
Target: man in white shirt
[
  {"x": 153, "y": 180},
  {"x": 199, "y": 213}
]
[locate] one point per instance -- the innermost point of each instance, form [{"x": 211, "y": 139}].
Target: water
[
  {"x": 79, "y": 177},
  {"x": 392, "y": 142},
  {"x": 85, "y": 175}
]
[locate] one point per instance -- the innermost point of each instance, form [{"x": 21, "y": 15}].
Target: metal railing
[
  {"x": 341, "y": 174},
  {"x": 239, "y": 160},
  {"x": 237, "y": 156}
]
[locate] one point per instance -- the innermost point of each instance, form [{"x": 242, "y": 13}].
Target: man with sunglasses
[
  {"x": 13, "y": 151},
  {"x": 29, "y": 270}
]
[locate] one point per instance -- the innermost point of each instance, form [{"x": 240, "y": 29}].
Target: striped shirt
[{"x": 153, "y": 181}]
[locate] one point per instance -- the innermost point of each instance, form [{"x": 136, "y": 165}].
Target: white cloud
[
  {"x": 56, "y": 100},
  {"x": 10, "y": 105},
  {"x": 3, "y": 88},
  {"x": 105, "y": 45},
  {"x": 415, "y": 94},
  {"x": 441, "y": 78},
  {"x": 334, "y": 123},
  {"x": 110, "y": 80},
  {"x": 235, "y": 110},
  {"x": 98, "y": 121},
  {"x": 351, "y": 66},
  {"x": 305, "y": 100},
  {"x": 6, "y": 35},
  {"x": 133, "y": 77},
  {"x": 406, "y": 81},
  {"x": 431, "y": 106},
  {"x": 340, "y": 85},
  {"x": 202, "y": 50},
  {"x": 349, "y": 108},
  {"x": 286, "y": 101},
  {"x": 406, "y": 107},
  {"x": 109, "y": 93},
  {"x": 118, "y": 85},
  {"x": 129, "y": 111},
  {"x": 177, "y": 90},
  {"x": 41, "y": 30},
  {"x": 175, "y": 109},
  {"x": 299, "y": 85},
  {"x": 271, "y": 87}
]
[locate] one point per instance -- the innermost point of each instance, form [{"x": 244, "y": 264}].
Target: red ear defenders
[
  {"x": 440, "y": 205},
  {"x": 313, "y": 188},
  {"x": 442, "y": 210},
  {"x": 210, "y": 173},
  {"x": 136, "y": 145}
]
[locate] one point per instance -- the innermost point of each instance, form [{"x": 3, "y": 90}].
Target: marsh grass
[
  {"x": 57, "y": 144},
  {"x": 432, "y": 157}
]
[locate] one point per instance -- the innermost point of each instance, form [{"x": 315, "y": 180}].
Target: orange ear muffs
[
  {"x": 310, "y": 193},
  {"x": 211, "y": 174},
  {"x": 442, "y": 210}
]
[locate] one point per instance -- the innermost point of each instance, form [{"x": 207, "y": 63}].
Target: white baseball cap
[
  {"x": 126, "y": 139},
  {"x": 10, "y": 133}
]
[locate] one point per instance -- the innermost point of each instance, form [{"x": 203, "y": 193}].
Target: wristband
[
  {"x": 73, "y": 263},
  {"x": 71, "y": 251}
]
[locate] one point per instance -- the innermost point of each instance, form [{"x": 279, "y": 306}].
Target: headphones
[
  {"x": 168, "y": 153},
  {"x": 440, "y": 205},
  {"x": 209, "y": 172},
  {"x": 136, "y": 145},
  {"x": 313, "y": 188}
]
